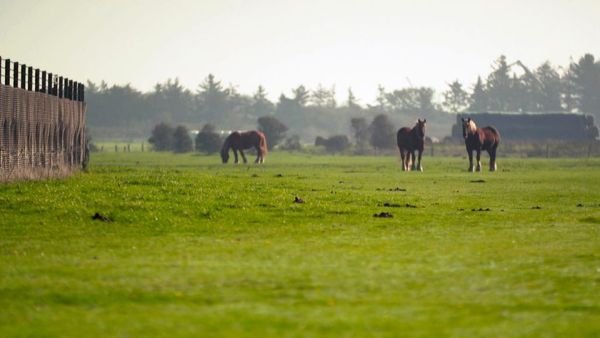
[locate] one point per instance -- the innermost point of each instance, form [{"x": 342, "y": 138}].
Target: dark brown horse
[
  {"x": 479, "y": 139},
  {"x": 238, "y": 141},
  {"x": 411, "y": 140}
]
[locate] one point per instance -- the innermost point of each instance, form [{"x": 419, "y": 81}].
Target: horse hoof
[{"x": 421, "y": 169}]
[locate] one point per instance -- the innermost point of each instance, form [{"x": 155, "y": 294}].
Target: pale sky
[{"x": 281, "y": 44}]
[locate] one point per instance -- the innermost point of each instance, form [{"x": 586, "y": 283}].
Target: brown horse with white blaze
[
  {"x": 411, "y": 140},
  {"x": 478, "y": 139},
  {"x": 239, "y": 141}
]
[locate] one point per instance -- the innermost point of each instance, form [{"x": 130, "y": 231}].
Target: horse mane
[{"x": 471, "y": 126}]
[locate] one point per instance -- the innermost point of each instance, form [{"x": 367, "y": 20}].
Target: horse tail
[{"x": 263, "y": 144}]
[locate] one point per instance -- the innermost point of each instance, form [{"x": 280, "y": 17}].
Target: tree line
[{"x": 125, "y": 112}]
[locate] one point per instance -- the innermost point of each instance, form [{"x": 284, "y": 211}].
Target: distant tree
[
  {"x": 352, "y": 101},
  {"x": 292, "y": 143},
  {"x": 403, "y": 100},
  {"x": 585, "y": 76},
  {"x": 301, "y": 96},
  {"x": 320, "y": 141},
  {"x": 381, "y": 98},
  {"x": 569, "y": 93},
  {"x": 323, "y": 97},
  {"x": 425, "y": 100},
  {"x": 524, "y": 93},
  {"x": 162, "y": 137},
  {"x": 207, "y": 140},
  {"x": 499, "y": 86},
  {"x": 213, "y": 99},
  {"x": 548, "y": 97},
  {"x": 334, "y": 144},
  {"x": 455, "y": 98},
  {"x": 182, "y": 142},
  {"x": 274, "y": 130},
  {"x": 261, "y": 105},
  {"x": 382, "y": 132},
  {"x": 479, "y": 98},
  {"x": 360, "y": 130}
]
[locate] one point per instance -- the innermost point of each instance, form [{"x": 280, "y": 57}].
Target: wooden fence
[{"x": 42, "y": 123}]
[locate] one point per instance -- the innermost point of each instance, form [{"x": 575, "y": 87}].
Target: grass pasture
[{"x": 197, "y": 248}]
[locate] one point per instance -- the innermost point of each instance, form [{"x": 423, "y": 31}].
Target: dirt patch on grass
[
  {"x": 392, "y": 189},
  {"x": 591, "y": 219},
  {"x": 99, "y": 217},
  {"x": 482, "y": 209},
  {"x": 397, "y": 205},
  {"x": 383, "y": 215}
]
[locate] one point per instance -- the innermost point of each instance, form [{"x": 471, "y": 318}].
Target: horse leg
[
  {"x": 478, "y": 159},
  {"x": 243, "y": 156},
  {"x": 419, "y": 166},
  {"x": 470, "y": 152},
  {"x": 235, "y": 155},
  {"x": 414, "y": 160},
  {"x": 493, "y": 158},
  {"x": 402, "y": 158},
  {"x": 258, "y": 156}
]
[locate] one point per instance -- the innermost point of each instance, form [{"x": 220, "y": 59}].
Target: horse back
[
  {"x": 491, "y": 135},
  {"x": 403, "y": 137},
  {"x": 252, "y": 138}
]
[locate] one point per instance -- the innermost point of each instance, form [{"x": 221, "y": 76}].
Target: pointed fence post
[
  {"x": 16, "y": 75},
  {"x": 7, "y": 72},
  {"x": 37, "y": 80},
  {"x": 23, "y": 73},
  {"x": 30, "y": 78},
  {"x": 44, "y": 75}
]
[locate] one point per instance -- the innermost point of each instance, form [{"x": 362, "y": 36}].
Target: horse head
[
  {"x": 421, "y": 127},
  {"x": 225, "y": 154},
  {"x": 468, "y": 126}
]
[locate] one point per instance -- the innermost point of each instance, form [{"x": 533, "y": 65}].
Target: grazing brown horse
[
  {"x": 479, "y": 139},
  {"x": 411, "y": 140},
  {"x": 238, "y": 141}
]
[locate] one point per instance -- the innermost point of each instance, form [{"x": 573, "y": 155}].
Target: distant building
[{"x": 534, "y": 126}]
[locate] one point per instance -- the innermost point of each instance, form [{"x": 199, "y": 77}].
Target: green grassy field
[{"x": 197, "y": 248}]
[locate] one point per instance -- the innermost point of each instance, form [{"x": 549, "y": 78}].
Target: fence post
[
  {"x": 44, "y": 82},
  {"x": 66, "y": 91},
  {"x": 547, "y": 150},
  {"x": 30, "y": 78},
  {"x": 23, "y": 73},
  {"x": 37, "y": 80},
  {"x": 61, "y": 82},
  {"x": 431, "y": 149},
  {"x": 7, "y": 72},
  {"x": 142, "y": 147},
  {"x": 16, "y": 75},
  {"x": 50, "y": 86}
]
